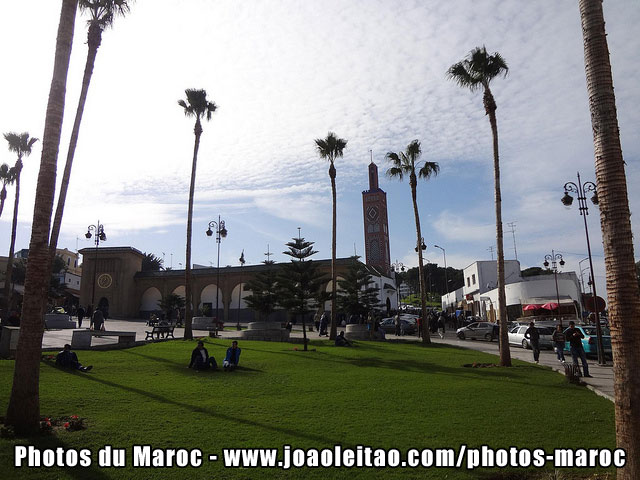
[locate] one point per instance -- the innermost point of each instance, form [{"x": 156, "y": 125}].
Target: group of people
[
  {"x": 559, "y": 338},
  {"x": 200, "y": 359},
  {"x": 96, "y": 318}
]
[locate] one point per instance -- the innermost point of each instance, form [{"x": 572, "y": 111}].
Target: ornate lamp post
[
  {"x": 397, "y": 267},
  {"x": 581, "y": 189},
  {"x": 98, "y": 229},
  {"x": 221, "y": 232},
  {"x": 554, "y": 267},
  {"x": 446, "y": 280},
  {"x": 242, "y": 262}
]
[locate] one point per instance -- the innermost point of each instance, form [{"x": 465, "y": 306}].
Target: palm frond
[
  {"x": 102, "y": 12},
  {"x": 395, "y": 172},
  {"x": 428, "y": 170},
  {"x": 196, "y": 104},
  {"x": 331, "y": 147},
  {"x": 478, "y": 69}
]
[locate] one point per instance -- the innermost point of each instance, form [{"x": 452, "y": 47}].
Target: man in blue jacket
[{"x": 232, "y": 358}]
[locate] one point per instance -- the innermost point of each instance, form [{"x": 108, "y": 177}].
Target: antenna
[
  {"x": 513, "y": 232},
  {"x": 355, "y": 253},
  {"x": 371, "y": 154},
  {"x": 298, "y": 233},
  {"x": 268, "y": 254},
  {"x": 491, "y": 250}
]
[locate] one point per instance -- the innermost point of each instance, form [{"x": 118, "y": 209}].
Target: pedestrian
[
  {"x": 533, "y": 336},
  {"x": 98, "y": 319},
  {"x": 575, "y": 336},
  {"x": 559, "y": 340},
  {"x": 324, "y": 321},
  {"x": 80, "y": 313},
  {"x": 396, "y": 322},
  {"x": 441, "y": 323}
]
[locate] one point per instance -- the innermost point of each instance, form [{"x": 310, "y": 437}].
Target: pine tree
[
  {"x": 356, "y": 295},
  {"x": 300, "y": 283},
  {"x": 264, "y": 291}
]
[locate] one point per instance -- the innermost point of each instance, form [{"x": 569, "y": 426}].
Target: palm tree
[
  {"x": 332, "y": 148},
  {"x": 622, "y": 287},
  {"x": 7, "y": 177},
  {"x": 21, "y": 145},
  {"x": 101, "y": 16},
  {"x": 476, "y": 72},
  {"x": 404, "y": 163},
  {"x": 23, "y": 412},
  {"x": 197, "y": 106}
]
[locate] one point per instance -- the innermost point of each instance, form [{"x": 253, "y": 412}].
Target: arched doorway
[{"x": 103, "y": 305}]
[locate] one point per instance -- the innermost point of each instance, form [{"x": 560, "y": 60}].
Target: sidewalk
[{"x": 601, "y": 383}]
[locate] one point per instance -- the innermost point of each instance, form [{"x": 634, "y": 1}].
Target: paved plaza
[{"x": 601, "y": 383}]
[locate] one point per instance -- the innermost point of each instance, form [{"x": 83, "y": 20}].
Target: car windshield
[
  {"x": 545, "y": 330},
  {"x": 592, "y": 331}
]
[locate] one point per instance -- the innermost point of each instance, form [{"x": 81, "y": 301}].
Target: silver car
[
  {"x": 485, "y": 330},
  {"x": 516, "y": 336}
]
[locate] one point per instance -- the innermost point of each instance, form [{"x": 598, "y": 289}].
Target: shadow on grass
[{"x": 214, "y": 414}]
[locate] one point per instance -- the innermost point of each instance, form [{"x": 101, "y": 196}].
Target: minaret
[{"x": 376, "y": 227}]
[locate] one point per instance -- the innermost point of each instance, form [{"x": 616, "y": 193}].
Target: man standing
[
  {"x": 575, "y": 336},
  {"x": 397, "y": 323},
  {"x": 533, "y": 336},
  {"x": 80, "y": 313},
  {"x": 232, "y": 358},
  {"x": 558, "y": 342}
]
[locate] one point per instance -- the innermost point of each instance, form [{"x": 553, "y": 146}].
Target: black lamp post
[
  {"x": 397, "y": 268},
  {"x": 242, "y": 262},
  {"x": 221, "y": 232},
  {"x": 554, "y": 267},
  {"x": 446, "y": 280},
  {"x": 98, "y": 229},
  {"x": 582, "y": 189}
]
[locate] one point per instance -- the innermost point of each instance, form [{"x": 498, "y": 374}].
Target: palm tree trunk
[
  {"x": 505, "y": 352},
  {"x": 333, "y": 329},
  {"x": 188, "y": 335},
  {"x": 94, "y": 39},
  {"x": 23, "y": 411},
  {"x": 622, "y": 287},
  {"x": 8, "y": 294},
  {"x": 426, "y": 339}
]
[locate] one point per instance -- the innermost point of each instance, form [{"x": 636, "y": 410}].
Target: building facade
[{"x": 376, "y": 225}]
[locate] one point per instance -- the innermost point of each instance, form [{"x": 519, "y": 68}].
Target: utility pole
[{"x": 513, "y": 232}]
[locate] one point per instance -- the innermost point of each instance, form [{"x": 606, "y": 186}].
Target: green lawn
[{"x": 393, "y": 395}]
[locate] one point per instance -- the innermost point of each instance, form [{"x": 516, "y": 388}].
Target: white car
[{"x": 516, "y": 336}]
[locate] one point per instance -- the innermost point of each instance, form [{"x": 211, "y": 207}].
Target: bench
[
  {"x": 82, "y": 338},
  {"x": 207, "y": 323},
  {"x": 165, "y": 330}
]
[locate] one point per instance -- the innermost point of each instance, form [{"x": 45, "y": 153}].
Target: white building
[{"x": 480, "y": 295}]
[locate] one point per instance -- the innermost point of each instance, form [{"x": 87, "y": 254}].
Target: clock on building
[{"x": 105, "y": 280}]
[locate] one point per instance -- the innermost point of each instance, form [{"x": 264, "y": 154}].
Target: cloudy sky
[{"x": 286, "y": 72}]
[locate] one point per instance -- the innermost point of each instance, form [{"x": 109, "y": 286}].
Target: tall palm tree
[
  {"x": 7, "y": 177},
  {"x": 622, "y": 287},
  {"x": 23, "y": 412},
  {"x": 405, "y": 163},
  {"x": 21, "y": 145},
  {"x": 197, "y": 106},
  {"x": 476, "y": 72},
  {"x": 101, "y": 16},
  {"x": 332, "y": 148}
]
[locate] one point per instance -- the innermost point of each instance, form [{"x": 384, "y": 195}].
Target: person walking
[
  {"x": 575, "y": 336},
  {"x": 396, "y": 322},
  {"x": 559, "y": 340},
  {"x": 441, "y": 323},
  {"x": 80, "y": 313},
  {"x": 533, "y": 336}
]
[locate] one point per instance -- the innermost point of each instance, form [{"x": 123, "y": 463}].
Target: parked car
[
  {"x": 516, "y": 336},
  {"x": 485, "y": 330},
  {"x": 590, "y": 340},
  {"x": 389, "y": 326}
]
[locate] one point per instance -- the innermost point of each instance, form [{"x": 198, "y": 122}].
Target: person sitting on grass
[
  {"x": 200, "y": 359},
  {"x": 341, "y": 341},
  {"x": 68, "y": 359},
  {"x": 232, "y": 358}
]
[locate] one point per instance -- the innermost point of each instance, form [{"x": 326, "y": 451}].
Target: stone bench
[
  {"x": 82, "y": 338},
  {"x": 207, "y": 323},
  {"x": 58, "y": 320},
  {"x": 267, "y": 331}
]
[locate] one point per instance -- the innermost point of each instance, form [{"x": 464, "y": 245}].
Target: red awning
[
  {"x": 550, "y": 306},
  {"x": 532, "y": 306}
]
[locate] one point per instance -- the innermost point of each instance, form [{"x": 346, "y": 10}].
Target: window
[
  {"x": 468, "y": 282},
  {"x": 473, "y": 278},
  {"x": 68, "y": 261}
]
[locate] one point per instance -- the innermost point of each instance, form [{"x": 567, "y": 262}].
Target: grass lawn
[{"x": 384, "y": 395}]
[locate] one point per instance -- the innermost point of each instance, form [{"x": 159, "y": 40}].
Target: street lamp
[
  {"x": 582, "y": 189},
  {"x": 446, "y": 281},
  {"x": 98, "y": 229},
  {"x": 397, "y": 268},
  {"x": 554, "y": 267},
  {"x": 242, "y": 262},
  {"x": 221, "y": 232},
  {"x": 421, "y": 245}
]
